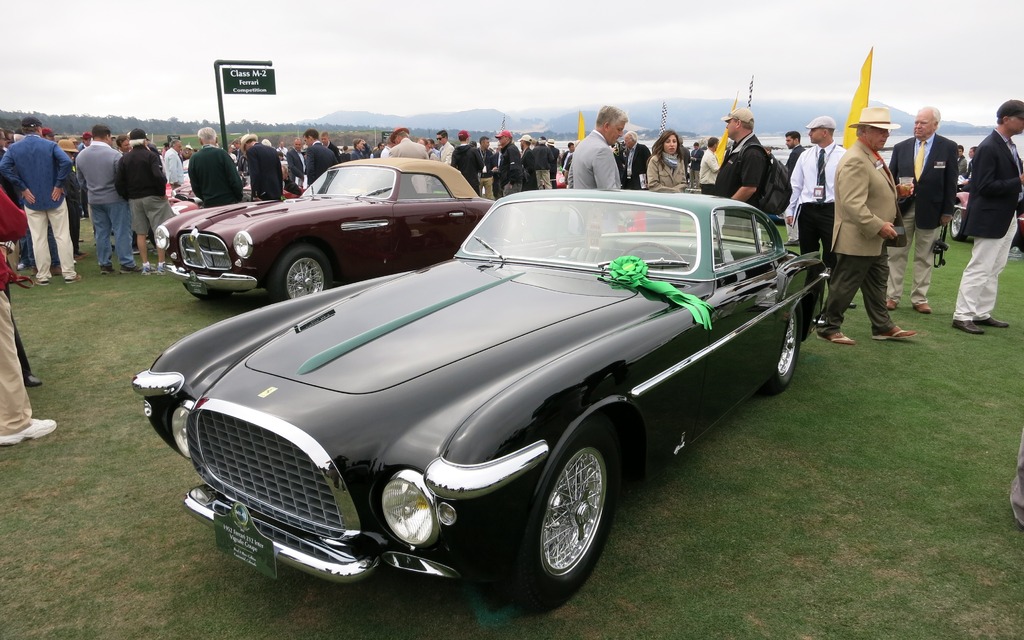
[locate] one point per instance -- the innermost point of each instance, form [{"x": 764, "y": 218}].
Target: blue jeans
[
  {"x": 113, "y": 217},
  {"x": 28, "y": 255}
]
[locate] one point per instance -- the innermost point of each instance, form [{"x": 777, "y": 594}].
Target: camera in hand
[{"x": 939, "y": 246}]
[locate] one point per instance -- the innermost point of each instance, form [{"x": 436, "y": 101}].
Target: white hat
[
  {"x": 526, "y": 138},
  {"x": 877, "y": 117},
  {"x": 822, "y": 122}
]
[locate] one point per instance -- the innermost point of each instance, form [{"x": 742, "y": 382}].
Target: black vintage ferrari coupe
[{"x": 475, "y": 419}]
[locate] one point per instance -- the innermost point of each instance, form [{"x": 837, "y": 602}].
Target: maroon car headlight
[
  {"x": 162, "y": 237},
  {"x": 408, "y": 507},
  {"x": 242, "y": 244}
]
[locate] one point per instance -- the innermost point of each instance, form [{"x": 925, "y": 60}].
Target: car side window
[
  {"x": 421, "y": 186},
  {"x": 737, "y": 235}
]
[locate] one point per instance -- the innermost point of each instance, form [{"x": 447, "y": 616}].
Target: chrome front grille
[
  {"x": 204, "y": 251},
  {"x": 264, "y": 471}
]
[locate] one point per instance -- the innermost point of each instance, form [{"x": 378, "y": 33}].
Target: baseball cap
[
  {"x": 87, "y": 135},
  {"x": 463, "y": 135},
  {"x": 136, "y": 134},
  {"x": 526, "y": 138},
  {"x": 743, "y": 114},
  {"x": 31, "y": 121},
  {"x": 504, "y": 133}
]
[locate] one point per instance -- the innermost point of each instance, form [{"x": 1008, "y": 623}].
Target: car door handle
[
  {"x": 364, "y": 224},
  {"x": 456, "y": 214}
]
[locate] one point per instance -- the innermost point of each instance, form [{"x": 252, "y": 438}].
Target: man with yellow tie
[{"x": 930, "y": 160}]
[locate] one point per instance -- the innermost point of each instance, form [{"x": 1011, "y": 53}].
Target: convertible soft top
[{"x": 448, "y": 174}]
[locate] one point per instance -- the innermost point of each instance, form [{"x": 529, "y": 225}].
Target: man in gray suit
[{"x": 593, "y": 164}]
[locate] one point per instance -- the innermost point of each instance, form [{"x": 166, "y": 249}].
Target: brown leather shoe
[
  {"x": 922, "y": 307},
  {"x": 891, "y": 305},
  {"x": 837, "y": 338},
  {"x": 894, "y": 334},
  {"x": 968, "y": 327},
  {"x": 992, "y": 322}
]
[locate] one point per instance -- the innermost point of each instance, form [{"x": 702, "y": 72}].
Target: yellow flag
[
  {"x": 722, "y": 144},
  {"x": 860, "y": 101},
  {"x": 581, "y": 129}
]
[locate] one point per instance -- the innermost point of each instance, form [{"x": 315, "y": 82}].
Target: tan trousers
[
  {"x": 980, "y": 282},
  {"x": 922, "y": 241},
  {"x": 488, "y": 186},
  {"x": 543, "y": 179},
  {"x": 58, "y": 219},
  {"x": 15, "y": 410},
  {"x": 1017, "y": 486}
]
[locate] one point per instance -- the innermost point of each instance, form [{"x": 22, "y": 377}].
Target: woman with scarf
[{"x": 666, "y": 170}]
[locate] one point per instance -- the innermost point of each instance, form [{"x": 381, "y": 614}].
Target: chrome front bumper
[
  {"x": 222, "y": 282},
  {"x": 335, "y": 562}
]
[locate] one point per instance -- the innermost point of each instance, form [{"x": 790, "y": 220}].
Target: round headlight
[
  {"x": 179, "y": 420},
  {"x": 162, "y": 237},
  {"x": 243, "y": 244},
  {"x": 409, "y": 510}
]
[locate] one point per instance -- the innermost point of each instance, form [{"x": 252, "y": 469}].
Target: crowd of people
[{"x": 865, "y": 217}]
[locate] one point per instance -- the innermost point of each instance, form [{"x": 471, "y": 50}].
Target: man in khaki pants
[{"x": 16, "y": 421}]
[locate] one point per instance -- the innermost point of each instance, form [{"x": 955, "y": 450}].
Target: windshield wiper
[
  {"x": 374, "y": 193},
  {"x": 489, "y": 247},
  {"x": 656, "y": 263}
]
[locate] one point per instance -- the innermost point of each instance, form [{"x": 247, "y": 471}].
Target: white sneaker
[{"x": 37, "y": 429}]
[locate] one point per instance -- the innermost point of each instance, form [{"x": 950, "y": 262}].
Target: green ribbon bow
[{"x": 631, "y": 272}]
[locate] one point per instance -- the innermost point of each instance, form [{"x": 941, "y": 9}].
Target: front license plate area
[
  {"x": 238, "y": 537},
  {"x": 195, "y": 285}
]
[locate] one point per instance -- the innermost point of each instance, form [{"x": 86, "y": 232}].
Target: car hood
[
  {"x": 410, "y": 326},
  {"x": 216, "y": 219}
]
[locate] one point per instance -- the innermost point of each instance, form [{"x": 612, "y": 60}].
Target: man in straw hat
[
  {"x": 867, "y": 215},
  {"x": 996, "y": 199}
]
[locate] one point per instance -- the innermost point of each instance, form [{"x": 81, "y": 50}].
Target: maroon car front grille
[{"x": 204, "y": 251}]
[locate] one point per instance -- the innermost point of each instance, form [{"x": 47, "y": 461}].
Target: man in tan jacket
[{"x": 867, "y": 215}]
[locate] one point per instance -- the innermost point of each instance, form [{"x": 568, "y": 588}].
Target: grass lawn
[{"x": 868, "y": 501}]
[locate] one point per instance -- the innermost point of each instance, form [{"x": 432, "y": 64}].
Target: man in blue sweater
[{"x": 38, "y": 168}]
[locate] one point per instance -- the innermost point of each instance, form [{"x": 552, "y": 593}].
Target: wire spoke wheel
[
  {"x": 304, "y": 277},
  {"x": 574, "y": 511}
]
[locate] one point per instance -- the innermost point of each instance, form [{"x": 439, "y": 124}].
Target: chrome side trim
[
  {"x": 346, "y": 566},
  {"x": 364, "y": 224},
  {"x": 418, "y": 565},
  {"x": 302, "y": 440},
  {"x": 222, "y": 282},
  {"x": 150, "y": 383},
  {"x": 466, "y": 481},
  {"x": 646, "y": 386}
]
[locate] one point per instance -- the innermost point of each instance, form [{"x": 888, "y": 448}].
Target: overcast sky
[{"x": 155, "y": 60}]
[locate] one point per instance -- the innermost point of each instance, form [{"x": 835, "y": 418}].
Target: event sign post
[{"x": 242, "y": 77}]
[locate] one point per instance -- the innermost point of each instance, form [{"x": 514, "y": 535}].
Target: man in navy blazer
[
  {"x": 927, "y": 210},
  {"x": 997, "y": 195}
]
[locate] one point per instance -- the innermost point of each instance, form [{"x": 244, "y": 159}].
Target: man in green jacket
[{"x": 212, "y": 173}]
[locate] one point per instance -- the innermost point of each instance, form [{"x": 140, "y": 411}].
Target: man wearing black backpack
[{"x": 744, "y": 169}]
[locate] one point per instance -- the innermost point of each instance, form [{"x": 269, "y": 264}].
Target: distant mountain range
[{"x": 690, "y": 117}]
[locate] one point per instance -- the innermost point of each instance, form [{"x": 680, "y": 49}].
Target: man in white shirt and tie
[{"x": 812, "y": 208}]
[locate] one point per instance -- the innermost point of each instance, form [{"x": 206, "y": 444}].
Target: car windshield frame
[
  {"x": 357, "y": 182},
  {"x": 592, "y": 233}
]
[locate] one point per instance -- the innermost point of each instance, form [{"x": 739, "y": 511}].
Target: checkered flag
[
  {"x": 502, "y": 127},
  {"x": 664, "y": 115},
  {"x": 750, "y": 96}
]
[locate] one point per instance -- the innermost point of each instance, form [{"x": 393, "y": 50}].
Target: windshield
[
  {"x": 587, "y": 233},
  {"x": 355, "y": 182}
]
